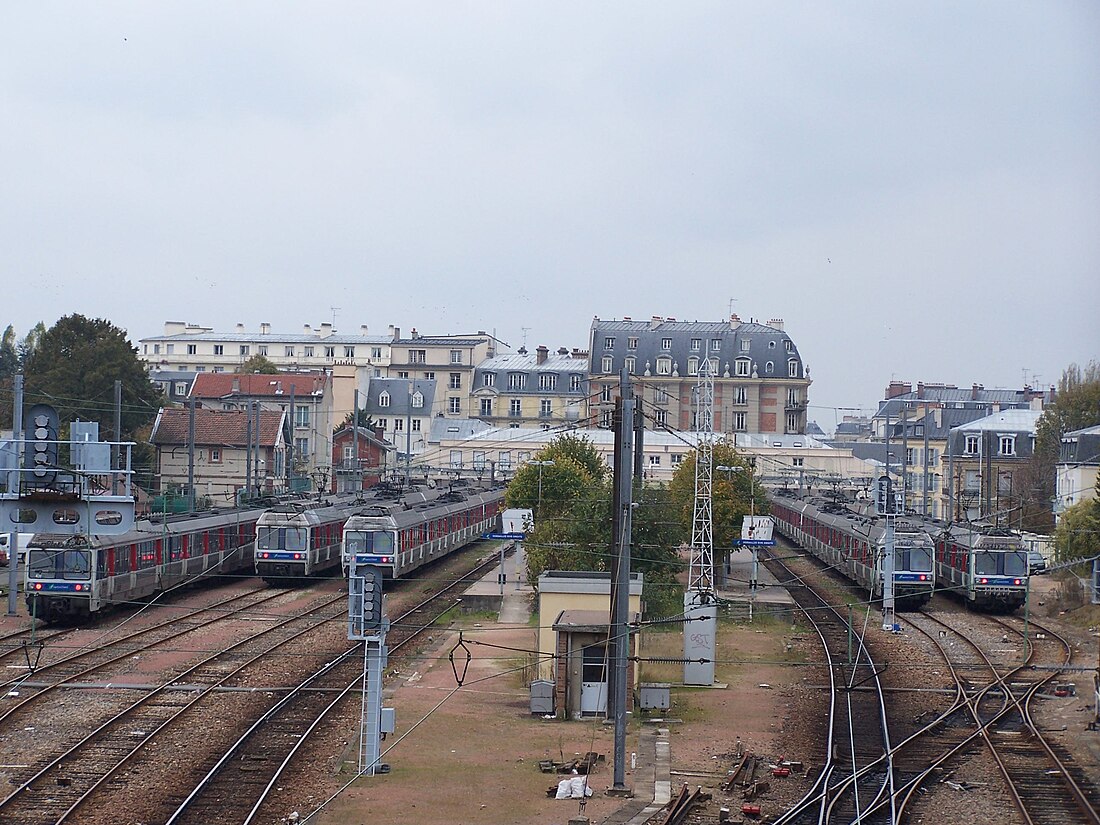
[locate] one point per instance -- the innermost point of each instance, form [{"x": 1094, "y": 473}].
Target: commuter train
[
  {"x": 854, "y": 545},
  {"x": 68, "y": 578},
  {"x": 298, "y": 540},
  {"x": 986, "y": 567},
  {"x": 399, "y": 538}
]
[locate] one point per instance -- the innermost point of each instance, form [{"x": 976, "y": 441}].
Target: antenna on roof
[
  {"x": 525, "y": 331},
  {"x": 334, "y": 311}
]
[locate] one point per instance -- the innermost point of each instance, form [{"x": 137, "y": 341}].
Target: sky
[{"x": 913, "y": 187}]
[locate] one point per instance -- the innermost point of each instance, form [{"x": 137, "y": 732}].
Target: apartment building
[
  {"x": 760, "y": 380},
  {"x": 536, "y": 389},
  {"x": 448, "y": 360}
]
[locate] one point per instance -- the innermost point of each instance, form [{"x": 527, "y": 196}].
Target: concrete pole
[
  {"x": 13, "y": 487},
  {"x": 293, "y": 424},
  {"x": 355, "y": 440},
  {"x": 190, "y": 455},
  {"x": 622, "y": 617},
  {"x": 248, "y": 453}
]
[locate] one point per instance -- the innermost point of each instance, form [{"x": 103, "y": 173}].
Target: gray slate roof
[
  {"x": 764, "y": 344},
  {"x": 400, "y": 396}
]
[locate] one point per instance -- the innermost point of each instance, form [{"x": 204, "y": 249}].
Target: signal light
[{"x": 40, "y": 453}]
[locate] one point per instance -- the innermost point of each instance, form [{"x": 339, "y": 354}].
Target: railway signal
[{"x": 367, "y": 623}]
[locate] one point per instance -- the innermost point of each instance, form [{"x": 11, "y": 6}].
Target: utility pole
[
  {"x": 888, "y": 508},
  {"x": 14, "y": 483},
  {"x": 293, "y": 429},
  {"x": 248, "y": 453},
  {"x": 408, "y": 435},
  {"x": 118, "y": 436},
  {"x": 621, "y": 582},
  {"x": 190, "y": 455},
  {"x": 355, "y": 440}
]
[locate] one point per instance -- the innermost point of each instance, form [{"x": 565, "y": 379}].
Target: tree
[
  {"x": 257, "y": 365},
  {"x": 1076, "y": 405},
  {"x": 734, "y": 493},
  {"x": 1078, "y": 533},
  {"x": 365, "y": 420},
  {"x": 548, "y": 490},
  {"x": 73, "y": 366},
  {"x": 9, "y": 357}
]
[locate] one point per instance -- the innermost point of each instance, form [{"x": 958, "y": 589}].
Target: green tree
[
  {"x": 365, "y": 420},
  {"x": 73, "y": 366},
  {"x": 1078, "y": 533},
  {"x": 1076, "y": 405},
  {"x": 9, "y": 357},
  {"x": 734, "y": 493},
  {"x": 548, "y": 490},
  {"x": 28, "y": 344},
  {"x": 258, "y": 365}
]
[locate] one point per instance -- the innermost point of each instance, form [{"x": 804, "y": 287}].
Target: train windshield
[
  {"x": 60, "y": 564},
  {"x": 281, "y": 538},
  {"x": 914, "y": 559},
  {"x": 379, "y": 543},
  {"x": 1000, "y": 563}
]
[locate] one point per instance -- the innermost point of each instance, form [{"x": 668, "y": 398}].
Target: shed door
[{"x": 594, "y": 680}]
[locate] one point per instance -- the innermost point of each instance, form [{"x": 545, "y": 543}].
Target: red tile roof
[
  {"x": 227, "y": 428},
  {"x": 223, "y": 384}
]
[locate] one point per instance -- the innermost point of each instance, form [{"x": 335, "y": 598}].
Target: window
[
  {"x": 456, "y": 356},
  {"x": 169, "y": 349},
  {"x": 797, "y": 462},
  {"x": 792, "y": 422},
  {"x": 262, "y": 350},
  {"x": 675, "y": 459},
  {"x": 479, "y": 460},
  {"x": 215, "y": 455},
  {"x": 973, "y": 445},
  {"x": 307, "y": 352},
  {"x": 349, "y": 352},
  {"x": 609, "y": 343},
  {"x": 381, "y": 423},
  {"x": 693, "y": 366},
  {"x": 156, "y": 349},
  {"x": 288, "y": 352},
  {"x": 1008, "y": 444},
  {"x": 746, "y": 345},
  {"x": 179, "y": 388},
  {"x": 740, "y": 396},
  {"x": 654, "y": 461},
  {"x": 192, "y": 349},
  {"x": 792, "y": 397},
  {"x": 517, "y": 380},
  {"x": 219, "y": 369},
  {"x": 398, "y": 425},
  {"x": 200, "y": 368},
  {"x": 771, "y": 344},
  {"x": 454, "y": 404},
  {"x": 792, "y": 368},
  {"x": 631, "y": 364},
  {"x": 769, "y": 368},
  {"x": 696, "y": 344},
  {"x": 456, "y": 458},
  {"x": 418, "y": 399},
  {"x": 790, "y": 345},
  {"x": 664, "y": 366},
  {"x": 739, "y": 421},
  {"x": 666, "y": 344},
  {"x": 504, "y": 459},
  {"x": 713, "y": 362},
  {"x": 456, "y": 381},
  {"x": 741, "y": 367},
  {"x": 486, "y": 406},
  {"x": 244, "y": 349},
  {"x": 660, "y": 417},
  {"x": 219, "y": 349},
  {"x": 402, "y": 373},
  {"x": 660, "y": 395},
  {"x": 301, "y": 415},
  {"x": 375, "y": 352},
  {"x": 416, "y": 425},
  {"x": 548, "y": 381},
  {"x": 301, "y": 448},
  {"x": 972, "y": 479},
  {"x": 607, "y": 364},
  {"x": 515, "y": 408},
  {"x": 631, "y": 343},
  {"x": 715, "y": 344},
  {"x": 488, "y": 379},
  {"x": 384, "y": 399},
  {"x": 429, "y": 376},
  {"x": 910, "y": 456},
  {"x": 418, "y": 356},
  {"x": 605, "y": 393},
  {"x": 546, "y": 408},
  {"x": 330, "y": 352}
]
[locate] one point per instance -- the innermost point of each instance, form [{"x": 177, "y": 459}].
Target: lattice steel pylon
[{"x": 701, "y": 567}]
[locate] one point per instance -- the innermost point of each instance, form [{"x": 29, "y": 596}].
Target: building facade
[
  {"x": 1076, "y": 472},
  {"x": 760, "y": 380},
  {"x": 350, "y": 472},
  {"x": 531, "y": 389},
  {"x": 984, "y": 458},
  {"x": 448, "y": 360}
]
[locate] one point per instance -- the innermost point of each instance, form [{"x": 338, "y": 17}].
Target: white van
[{"x": 22, "y": 540}]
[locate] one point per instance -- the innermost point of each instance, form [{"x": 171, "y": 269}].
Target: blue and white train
[{"x": 984, "y": 566}]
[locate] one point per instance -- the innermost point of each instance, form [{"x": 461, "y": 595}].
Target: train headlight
[
  {"x": 983, "y": 581},
  {"x": 38, "y": 586},
  {"x": 1018, "y": 581},
  {"x": 923, "y": 577},
  {"x": 78, "y": 587},
  {"x": 265, "y": 555},
  {"x": 297, "y": 557}
]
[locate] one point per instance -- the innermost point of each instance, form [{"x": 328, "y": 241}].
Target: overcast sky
[{"x": 913, "y": 187}]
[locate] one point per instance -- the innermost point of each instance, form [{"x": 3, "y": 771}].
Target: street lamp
[{"x": 540, "y": 465}]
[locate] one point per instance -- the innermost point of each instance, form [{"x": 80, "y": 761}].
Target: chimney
[
  {"x": 655, "y": 321},
  {"x": 974, "y": 392},
  {"x": 265, "y": 328},
  {"x": 522, "y": 350},
  {"x": 326, "y": 330},
  {"x": 563, "y": 351},
  {"x": 627, "y": 318},
  {"x": 897, "y": 388},
  {"x": 362, "y": 329},
  {"x": 776, "y": 323},
  {"x": 541, "y": 354},
  {"x": 414, "y": 334},
  {"x": 240, "y": 327},
  {"x": 735, "y": 321},
  {"x": 307, "y": 329},
  {"x": 920, "y": 390},
  {"x": 236, "y": 384}
]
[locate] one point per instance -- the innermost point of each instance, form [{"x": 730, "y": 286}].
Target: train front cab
[
  {"x": 59, "y": 583},
  {"x": 370, "y": 546},
  {"x": 914, "y": 574},
  {"x": 998, "y": 579},
  {"x": 282, "y": 553}
]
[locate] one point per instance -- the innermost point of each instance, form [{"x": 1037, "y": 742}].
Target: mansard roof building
[{"x": 760, "y": 380}]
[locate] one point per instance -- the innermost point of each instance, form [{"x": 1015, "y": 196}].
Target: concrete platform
[
  {"x": 511, "y": 597},
  {"x": 769, "y": 596}
]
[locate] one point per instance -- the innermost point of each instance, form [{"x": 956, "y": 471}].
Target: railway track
[
  {"x": 57, "y": 790},
  {"x": 240, "y": 786},
  {"x": 857, "y": 731}
]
